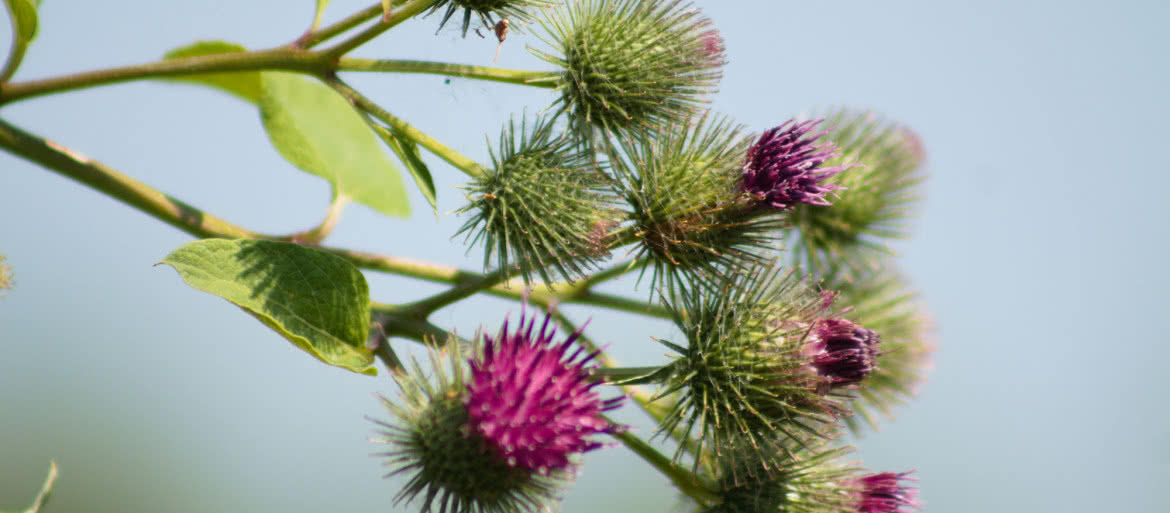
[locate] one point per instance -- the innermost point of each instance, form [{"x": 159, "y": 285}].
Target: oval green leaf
[
  {"x": 318, "y": 301},
  {"x": 245, "y": 85},
  {"x": 318, "y": 131},
  {"x": 23, "y": 14}
]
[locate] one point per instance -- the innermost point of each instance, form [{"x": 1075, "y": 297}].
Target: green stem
[
  {"x": 398, "y": 322},
  {"x": 425, "y": 307},
  {"x": 383, "y": 350},
  {"x": 286, "y": 59},
  {"x": 613, "y": 272},
  {"x": 191, "y": 220},
  {"x": 468, "y": 166},
  {"x": 546, "y": 79},
  {"x": 314, "y": 37},
  {"x": 316, "y": 234},
  {"x": 613, "y": 374},
  {"x": 16, "y": 51},
  {"x": 94, "y": 174},
  {"x": 408, "y": 10},
  {"x": 686, "y": 482},
  {"x": 642, "y": 398}
]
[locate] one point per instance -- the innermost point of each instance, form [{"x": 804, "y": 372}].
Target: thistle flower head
[
  {"x": 841, "y": 351},
  {"x": 689, "y": 219},
  {"x": 879, "y": 299},
  {"x": 544, "y": 208},
  {"x": 814, "y": 480},
  {"x": 499, "y": 438},
  {"x": 487, "y": 10},
  {"x": 742, "y": 380},
  {"x": 879, "y": 199},
  {"x": 532, "y": 400},
  {"x": 632, "y": 64},
  {"x": 785, "y": 167},
  {"x": 885, "y": 493}
]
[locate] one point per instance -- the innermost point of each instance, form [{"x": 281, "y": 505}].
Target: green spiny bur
[
  {"x": 690, "y": 219},
  {"x": 741, "y": 380},
  {"x": 545, "y": 207},
  {"x": 877, "y": 197},
  {"x": 632, "y": 64},
  {"x": 812, "y": 481}
]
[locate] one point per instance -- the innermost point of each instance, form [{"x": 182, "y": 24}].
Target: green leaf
[
  {"x": 23, "y": 14},
  {"x": 318, "y": 131},
  {"x": 316, "y": 300},
  {"x": 408, "y": 154},
  {"x": 246, "y": 85},
  {"x": 321, "y": 5}
]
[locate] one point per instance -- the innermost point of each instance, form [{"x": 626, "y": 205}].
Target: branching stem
[
  {"x": 468, "y": 166},
  {"x": 686, "y": 482},
  {"x": 545, "y": 79}
]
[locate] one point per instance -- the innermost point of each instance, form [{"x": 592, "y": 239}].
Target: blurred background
[{"x": 1040, "y": 250}]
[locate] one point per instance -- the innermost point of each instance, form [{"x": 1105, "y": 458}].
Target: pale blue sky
[{"x": 1040, "y": 250}]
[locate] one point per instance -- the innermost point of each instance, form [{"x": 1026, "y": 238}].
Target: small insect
[{"x": 501, "y": 30}]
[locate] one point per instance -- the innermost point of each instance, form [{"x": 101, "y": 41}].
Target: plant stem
[
  {"x": 193, "y": 221},
  {"x": 408, "y": 10},
  {"x": 546, "y": 79},
  {"x": 686, "y": 482},
  {"x": 613, "y": 374},
  {"x": 314, "y": 37},
  {"x": 94, "y": 174},
  {"x": 285, "y": 59},
  {"x": 314, "y": 236},
  {"x": 639, "y": 396},
  {"x": 16, "y": 51},
  {"x": 468, "y": 166},
  {"x": 425, "y": 307}
]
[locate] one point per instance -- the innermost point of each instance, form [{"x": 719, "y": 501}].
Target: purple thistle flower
[
  {"x": 882, "y": 493},
  {"x": 842, "y": 351},
  {"x": 533, "y": 405},
  {"x": 783, "y": 168}
]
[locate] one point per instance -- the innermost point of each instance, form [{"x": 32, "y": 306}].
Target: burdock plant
[{"x": 788, "y": 326}]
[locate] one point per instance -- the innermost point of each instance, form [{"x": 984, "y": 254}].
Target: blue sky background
[{"x": 1040, "y": 250}]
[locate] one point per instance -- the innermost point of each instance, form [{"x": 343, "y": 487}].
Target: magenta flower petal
[
  {"x": 532, "y": 400},
  {"x": 784, "y": 167},
  {"x": 884, "y": 493},
  {"x": 842, "y": 351}
]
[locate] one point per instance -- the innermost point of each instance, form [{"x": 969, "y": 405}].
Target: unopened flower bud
[
  {"x": 539, "y": 207},
  {"x": 842, "y": 352},
  {"x": 885, "y": 493}
]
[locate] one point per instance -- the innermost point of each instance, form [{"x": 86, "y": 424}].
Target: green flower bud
[
  {"x": 691, "y": 218},
  {"x": 875, "y": 199},
  {"x": 632, "y": 64},
  {"x": 744, "y": 380},
  {"x": 487, "y": 10},
  {"x": 544, "y": 205}
]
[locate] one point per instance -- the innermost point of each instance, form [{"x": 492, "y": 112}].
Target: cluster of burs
[{"x": 767, "y": 249}]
